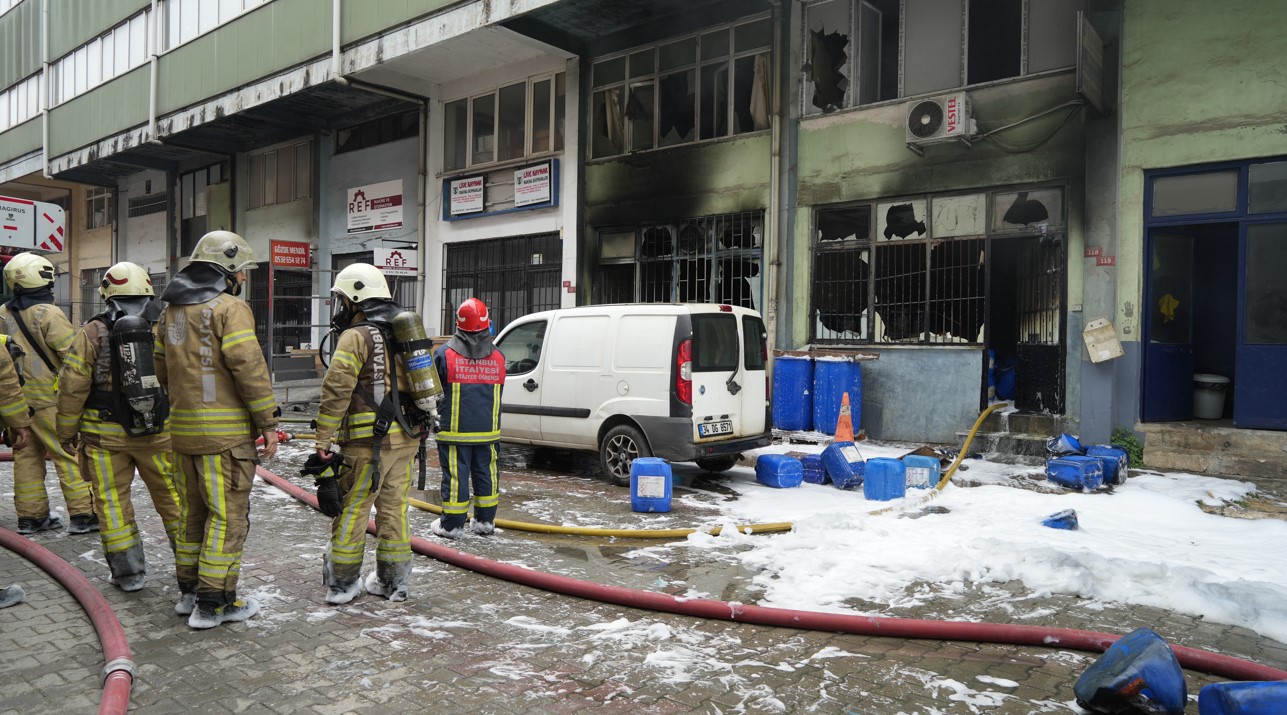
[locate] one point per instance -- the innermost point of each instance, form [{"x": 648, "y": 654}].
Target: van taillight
[{"x": 684, "y": 372}]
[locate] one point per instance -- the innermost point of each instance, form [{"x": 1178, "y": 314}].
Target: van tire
[
  {"x": 622, "y": 445},
  {"x": 722, "y": 463}
]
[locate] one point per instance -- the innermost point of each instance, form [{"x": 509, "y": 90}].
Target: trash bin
[{"x": 1208, "y": 396}]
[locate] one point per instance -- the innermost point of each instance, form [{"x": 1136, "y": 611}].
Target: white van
[{"x": 685, "y": 382}]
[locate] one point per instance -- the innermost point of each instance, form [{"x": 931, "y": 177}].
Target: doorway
[{"x": 1025, "y": 336}]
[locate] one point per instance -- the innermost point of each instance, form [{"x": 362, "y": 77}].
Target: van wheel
[
  {"x": 622, "y": 445},
  {"x": 722, "y": 463}
]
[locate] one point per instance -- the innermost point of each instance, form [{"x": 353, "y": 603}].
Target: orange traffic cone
[{"x": 845, "y": 423}]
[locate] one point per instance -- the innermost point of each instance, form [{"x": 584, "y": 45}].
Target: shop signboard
[
  {"x": 396, "y": 261},
  {"x": 375, "y": 207},
  {"x": 290, "y": 254}
]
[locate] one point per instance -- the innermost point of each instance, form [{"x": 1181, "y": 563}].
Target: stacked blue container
[
  {"x": 1075, "y": 472},
  {"x": 832, "y": 378},
  {"x": 1114, "y": 461},
  {"x": 793, "y": 393},
  {"x": 814, "y": 471}
]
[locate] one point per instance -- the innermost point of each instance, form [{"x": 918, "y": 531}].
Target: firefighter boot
[
  {"x": 31, "y": 524},
  {"x": 215, "y": 608},
  {"x": 389, "y": 580},
  {"x": 437, "y": 528},
  {"x": 187, "y": 600},
  {"x": 128, "y": 568},
  {"x": 338, "y": 591},
  {"x": 10, "y": 595},
  {"x": 83, "y": 524}
]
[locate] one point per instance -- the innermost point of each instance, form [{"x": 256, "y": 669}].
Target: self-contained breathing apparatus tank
[
  {"x": 141, "y": 405},
  {"x": 416, "y": 352}
]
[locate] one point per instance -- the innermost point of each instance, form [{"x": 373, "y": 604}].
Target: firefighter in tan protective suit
[
  {"x": 209, "y": 361},
  {"x": 108, "y": 393},
  {"x": 43, "y": 332},
  {"x": 366, "y": 409},
  {"x": 14, "y": 411}
]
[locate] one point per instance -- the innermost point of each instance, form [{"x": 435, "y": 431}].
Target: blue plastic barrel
[
  {"x": 1066, "y": 519},
  {"x": 844, "y": 465},
  {"x": 832, "y": 378},
  {"x": 814, "y": 471},
  {"x": 650, "y": 484},
  {"x": 922, "y": 472},
  {"x": 1075, "y": 472},
  {"x": 885, "y": 479},
  {"x": 1245, "y": 698},
  {"x": 779, "y": 471},
  {"x": 793, "y": 393},
  {"x": 1114, "y": 459}
]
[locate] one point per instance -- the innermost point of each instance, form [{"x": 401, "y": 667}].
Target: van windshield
[{"x": 715, "y": 343}]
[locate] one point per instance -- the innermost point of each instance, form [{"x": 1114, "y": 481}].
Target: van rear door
[
  {"x": 755, "y": 386},
  {"x": 717, "y": 377}
]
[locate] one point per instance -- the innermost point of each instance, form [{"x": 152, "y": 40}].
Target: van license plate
[{"x": 711, "y": 429}]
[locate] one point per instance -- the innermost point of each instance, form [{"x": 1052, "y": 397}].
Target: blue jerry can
[
  {"x": 1139, "y": 673},
  {"x": 779, "y": 471},
  {"x": 1075, "y": 472}
]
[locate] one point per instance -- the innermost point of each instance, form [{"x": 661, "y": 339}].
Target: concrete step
[
  {"x": 1024, "y": 423},
  {"x": 1009, "y": 448},
  {"x": 1207, "y": 437},
  {"x": 1215, "y": 462}
]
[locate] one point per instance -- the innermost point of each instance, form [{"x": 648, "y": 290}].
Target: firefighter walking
[
  {"x": 108, "y": 393},
  {"x": 367, "y": 408},
  {"x": 44, "y": 334},
  {"x": 472, "y": 372},
  {"x": 210, "y": 363}
]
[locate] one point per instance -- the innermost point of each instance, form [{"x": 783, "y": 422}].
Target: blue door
[
  {"x": 1260, "y": 385},
  {"x": 1168, "y": 351}
]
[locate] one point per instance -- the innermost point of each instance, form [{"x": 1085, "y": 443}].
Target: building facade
[{"x": 962, "y": 188}]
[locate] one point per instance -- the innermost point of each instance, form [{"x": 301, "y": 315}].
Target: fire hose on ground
[
  {"x": 119, "y": 671},
  {"x": 1191, "y": 658}
]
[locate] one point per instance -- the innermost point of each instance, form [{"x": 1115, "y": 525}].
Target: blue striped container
[
  {"x": 1075, "y": 472},
  {"x": 922, "y": 472},
  {"x": 1114, "y": 461},
  {"x": 814, "y": 471},
  {"x": 1245, "y": 698},
  {"x": 844, "y": 465},
  {"x": 831, "y": 380},
  {"x": 793, "y": 393},
  {"x": 650, "y": 484}
]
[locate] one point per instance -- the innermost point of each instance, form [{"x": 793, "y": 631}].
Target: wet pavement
[{"x": 470, "y": 643}]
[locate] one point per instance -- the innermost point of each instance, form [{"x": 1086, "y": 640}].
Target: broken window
[
  {"x": 703, "y": 87},
  {"x": 844, "y": 73},
  {"x": 700, "y": 260},
  {"x": 885, "y": 272}
]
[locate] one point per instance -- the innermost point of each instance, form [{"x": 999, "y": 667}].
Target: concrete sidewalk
[{"x": 469, "y": 643}]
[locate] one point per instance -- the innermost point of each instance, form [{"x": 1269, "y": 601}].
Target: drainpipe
[
  {"x": 336, "y": 73},
  {"x": 152, "y": 63},
  {"x": 771, "y": 223},
  {"x": 785, "y": 130},
  {"x": 44, "y": 89}
]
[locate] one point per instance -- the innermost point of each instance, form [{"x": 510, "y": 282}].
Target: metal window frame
[{"x": 528, "y": 108}]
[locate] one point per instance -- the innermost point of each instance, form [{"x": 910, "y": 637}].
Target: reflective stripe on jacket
[
  {"x": 87, "y": 368},
  {"x": 351, "y": 395},
  {"x": 53, "y": 331},
  {"x": 470, "y": 410},
  {"x": 210, "y": 363}
]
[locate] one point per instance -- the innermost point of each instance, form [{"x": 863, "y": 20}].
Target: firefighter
[
  {"x": 367, "y": 409},
  {"x": 14, "y": 411},
  {"x": 210, "y": 363},
  {"x": 44, "y": 334},
  {"x": 110, "y": 358},
  {"x": 472, "y": 372}
]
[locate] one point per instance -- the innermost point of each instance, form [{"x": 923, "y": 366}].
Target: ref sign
[
  {"x": 31, "y": 225},
  {"x": 397, "y": 261}
]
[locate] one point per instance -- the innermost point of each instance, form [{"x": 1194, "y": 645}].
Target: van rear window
[
  {"x": 715, "y": 343},
  {"x": 754, "y": 338}
]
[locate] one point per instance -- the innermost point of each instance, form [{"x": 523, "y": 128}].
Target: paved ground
[{"x": 468, "y": 643}]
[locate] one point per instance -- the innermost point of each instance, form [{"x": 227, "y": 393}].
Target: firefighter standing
[
  {"x": 366, "y": 408},
  {"x": 14, "y": 411},
  {"x": 472, "y": 372},
  {"x": 209, "y": 361},
  {"x": 116, "y": 438},
  {"x": 43, "y": 332}
]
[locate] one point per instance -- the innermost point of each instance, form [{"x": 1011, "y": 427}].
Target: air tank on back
[{"x": 417, "y": 356}]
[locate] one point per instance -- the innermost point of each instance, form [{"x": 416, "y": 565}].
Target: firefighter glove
[{"x": 328, "y": 496}]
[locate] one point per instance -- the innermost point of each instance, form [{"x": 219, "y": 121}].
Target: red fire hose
[
  {"x": 1191, "y": 658},
  {"x": 118, "y": 673}
]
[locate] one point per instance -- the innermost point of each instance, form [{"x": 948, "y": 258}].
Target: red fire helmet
[{"x": 472, "y": 316}]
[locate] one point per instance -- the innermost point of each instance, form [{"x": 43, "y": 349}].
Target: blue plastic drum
[
  {"x": 793, "y": 393},
  {"x": 831, "y": 380}
]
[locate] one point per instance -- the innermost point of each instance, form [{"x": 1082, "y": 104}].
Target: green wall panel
[
  {"x": 19, "y": 42},
  {"x": 20, "y": 140},
  {"x": 72, "y": 23},
  {"x": 97, "y": 114},
  {"x": 274, "y": 36},
  {"x": 363, "y": 18}
]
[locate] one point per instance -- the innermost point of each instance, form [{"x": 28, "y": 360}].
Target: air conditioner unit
[{"x": 940, "y": 119}]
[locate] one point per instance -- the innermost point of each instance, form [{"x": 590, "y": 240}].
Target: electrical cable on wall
[{"x": 1073, "y": 107}]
